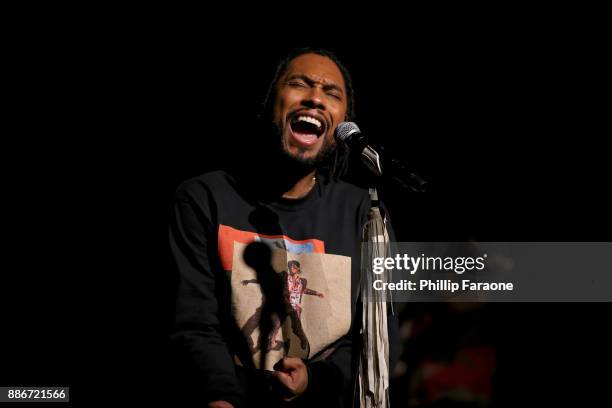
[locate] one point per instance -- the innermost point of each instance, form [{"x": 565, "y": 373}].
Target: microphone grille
[{"x": 346, "y": 130}]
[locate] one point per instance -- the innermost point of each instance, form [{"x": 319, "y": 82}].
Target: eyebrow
[{"x": 310, "y": 81}]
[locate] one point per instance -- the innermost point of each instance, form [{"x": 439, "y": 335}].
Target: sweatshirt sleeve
[{"x": 201, "y": 349}]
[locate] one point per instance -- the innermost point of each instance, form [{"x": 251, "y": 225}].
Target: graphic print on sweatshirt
[{"x": 312, "y": 292}]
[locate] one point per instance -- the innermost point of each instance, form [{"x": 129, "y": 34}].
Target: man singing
[{"x": 295, "y": 202}]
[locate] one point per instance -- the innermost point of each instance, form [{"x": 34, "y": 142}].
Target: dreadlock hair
[{"x": 337, "y": 166}]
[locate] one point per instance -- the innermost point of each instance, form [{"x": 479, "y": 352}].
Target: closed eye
[
  {"x": 335, "y": 95},
  {"x": 296, "y": 84}
]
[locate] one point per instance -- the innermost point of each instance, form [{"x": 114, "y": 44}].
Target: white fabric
[{"x": 373, "y": 374}]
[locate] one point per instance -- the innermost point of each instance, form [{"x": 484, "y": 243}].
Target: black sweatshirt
[{"x": 315, "y": 245}]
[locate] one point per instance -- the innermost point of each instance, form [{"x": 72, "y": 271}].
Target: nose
[{"x": 313, "y": 99}]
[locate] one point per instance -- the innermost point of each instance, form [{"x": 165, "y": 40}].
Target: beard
[{"x": 322, "y": 157}]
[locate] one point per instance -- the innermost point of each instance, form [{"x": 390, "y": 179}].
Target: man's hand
[
  {"x": 220, "y": 404},
  {"x": 293, "y": 374}
]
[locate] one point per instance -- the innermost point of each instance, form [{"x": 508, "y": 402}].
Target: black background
[{"x": 504, "y": 116}]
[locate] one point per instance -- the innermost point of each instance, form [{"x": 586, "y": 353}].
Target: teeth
[{"x": 310, "y": 119}]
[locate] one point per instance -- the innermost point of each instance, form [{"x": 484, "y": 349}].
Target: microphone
[{"x": 378, "y": 164}]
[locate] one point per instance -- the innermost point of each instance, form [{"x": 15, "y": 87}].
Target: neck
[
  {"x": 281, "y": 181},
  {"x": 278, "y": 176},
  {"x": 301, "y": 187},
  {"x": 294, "y": 180}
]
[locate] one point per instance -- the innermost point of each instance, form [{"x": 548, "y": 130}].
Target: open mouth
[{"x": 307, "y": 128}]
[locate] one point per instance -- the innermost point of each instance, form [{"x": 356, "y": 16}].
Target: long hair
[{"x": 337, "y": 166}]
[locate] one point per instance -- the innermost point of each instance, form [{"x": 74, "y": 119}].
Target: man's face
[{"x": 310, "y": 103}]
